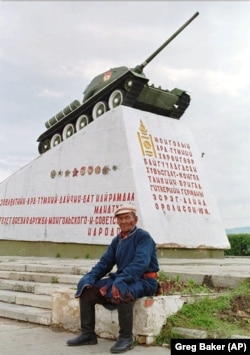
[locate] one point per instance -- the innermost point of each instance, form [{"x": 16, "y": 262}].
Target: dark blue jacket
[{"x": 134, "y": 256}]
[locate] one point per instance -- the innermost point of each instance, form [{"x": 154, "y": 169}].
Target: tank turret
[{"x": 117, "y": 86}]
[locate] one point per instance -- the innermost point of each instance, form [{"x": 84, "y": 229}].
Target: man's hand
[
  {"x": 103, "y": 290},
  {"x": 115, "y": 292}
]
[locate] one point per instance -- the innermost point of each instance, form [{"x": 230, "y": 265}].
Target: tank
[{"x": 117, "y": 86}]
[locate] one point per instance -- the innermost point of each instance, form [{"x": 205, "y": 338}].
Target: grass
[
  {"x": 216, "y": 316},
  {"x": 170, "y": 286}
]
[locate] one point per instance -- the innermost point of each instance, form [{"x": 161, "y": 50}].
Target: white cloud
[
  {"x": 226, "y": 83},
  {"x": 49, "y": 93}
]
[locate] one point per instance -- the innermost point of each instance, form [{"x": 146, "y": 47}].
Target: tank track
[{"x": 182, "y": 106}]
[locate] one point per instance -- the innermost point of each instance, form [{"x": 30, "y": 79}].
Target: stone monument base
[{"x": 62, "y": 203}]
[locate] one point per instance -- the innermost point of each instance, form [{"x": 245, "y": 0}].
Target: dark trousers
[{"x": 92, "y": 296}]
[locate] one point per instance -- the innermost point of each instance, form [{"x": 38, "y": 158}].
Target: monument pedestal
[{"x": 68, "y": 195}]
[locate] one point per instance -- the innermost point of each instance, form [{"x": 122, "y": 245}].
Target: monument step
[
  {"x": 37, "y": 288},
  {"x": 25, "y": 313},
  {"x": 26, "y": 290},
  {"x": 47, "y": 265},
  {"x": 41, "y": 277},
  {"x": 26, "y": 299}
]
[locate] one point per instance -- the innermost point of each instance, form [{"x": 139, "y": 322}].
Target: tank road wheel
[
  {"x": 98, "y": 109},
  {"x": 68, "y": 131},
  {"x": 55, "y": 140},
  {"x": 81, "y": 122},
  {"x": 115, "y": 99},
  {"x": 44, "y": 146}
]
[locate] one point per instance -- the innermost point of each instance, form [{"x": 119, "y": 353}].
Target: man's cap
[{"x": 125, "y": 209}]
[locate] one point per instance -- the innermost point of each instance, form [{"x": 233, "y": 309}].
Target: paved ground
[{"x": 20, "y": 338}]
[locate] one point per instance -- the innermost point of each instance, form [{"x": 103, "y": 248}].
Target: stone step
[
  {"x": 26, "y": 289},
  {"x": 25, "y": 313},
  {"x": 26, "y": 299},
  {"x": 67, "y": 267},
  {"x": 37, "y": 288},
  {"x": 40, "y": 277}
]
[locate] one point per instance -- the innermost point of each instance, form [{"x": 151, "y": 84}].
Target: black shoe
[
  {"x": 122, "y": 345},
  {"x": 83, "y": 339}
]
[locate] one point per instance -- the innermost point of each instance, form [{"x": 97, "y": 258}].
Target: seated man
[{"x": 133, "y": 251}]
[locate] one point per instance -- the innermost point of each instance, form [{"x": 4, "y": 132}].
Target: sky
[{"x": 51, "y": 50}]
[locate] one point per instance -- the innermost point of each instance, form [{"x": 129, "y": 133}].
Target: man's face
[{"x": 126, "y": 221}]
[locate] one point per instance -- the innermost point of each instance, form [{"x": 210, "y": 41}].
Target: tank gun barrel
[{"x": 139, "y": 68}]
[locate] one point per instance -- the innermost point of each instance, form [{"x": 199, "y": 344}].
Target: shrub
[{"x": 240, "y": 245}]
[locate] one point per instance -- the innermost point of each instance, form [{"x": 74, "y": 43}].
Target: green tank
[{"x": 117, "y": 86}]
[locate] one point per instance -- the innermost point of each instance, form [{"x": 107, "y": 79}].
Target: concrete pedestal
[{"x": 69, "y": 194}]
